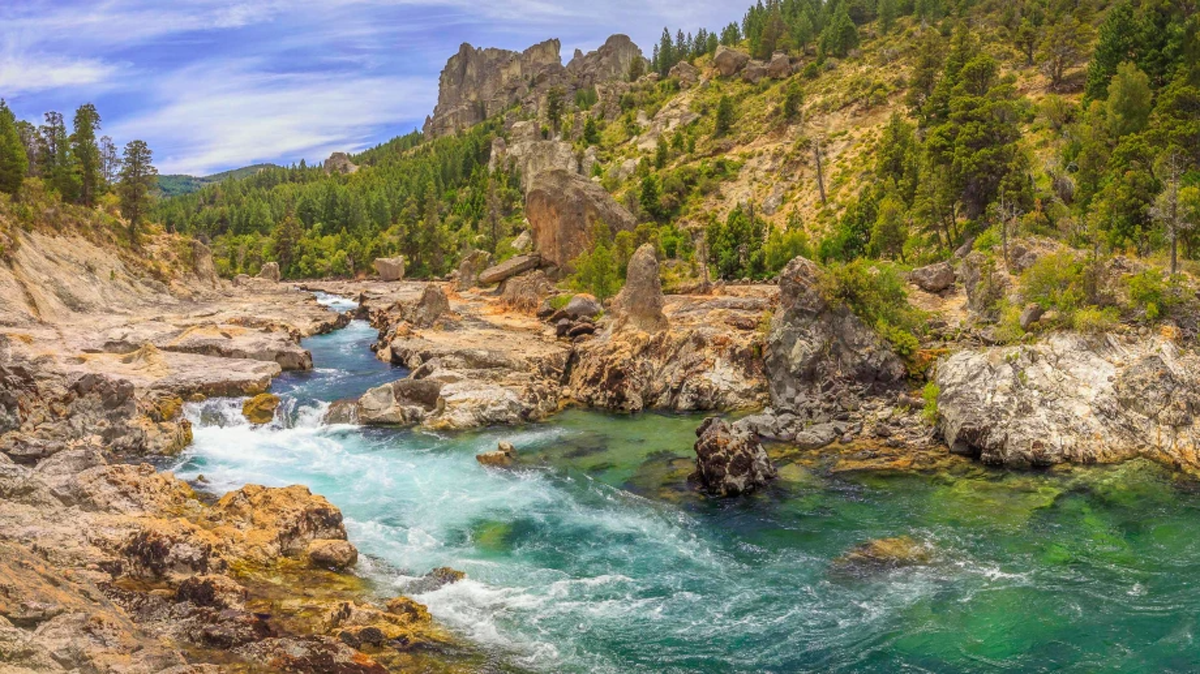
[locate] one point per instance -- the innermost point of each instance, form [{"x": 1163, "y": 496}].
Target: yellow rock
[{"x": 261, "y": 408}]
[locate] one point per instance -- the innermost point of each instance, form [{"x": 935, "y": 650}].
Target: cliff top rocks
[{"x": 478, "y": 83}]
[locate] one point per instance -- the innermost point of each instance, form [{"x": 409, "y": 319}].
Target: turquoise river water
[{"x": 595, "y": 557}]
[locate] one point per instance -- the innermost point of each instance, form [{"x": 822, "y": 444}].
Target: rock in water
[
  {"x": 729, "y": 459},
  {"x": 816, "y": 351},
  {"x": 390, "y": 268},
  {"x": 640, "y": 303},
  {"x": 563, "y": 208},
  {"x": 883, "y": 555},
  {"x": 934, "y": 278},
  {"x": 270, "y": 272},
  {"x": 261, "y": 408},
  {"x": 471, "y": 267},
  {"x": 503, "y": 457}
]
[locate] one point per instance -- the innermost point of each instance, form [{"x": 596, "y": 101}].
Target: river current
[{"x": 595, "y": 557}]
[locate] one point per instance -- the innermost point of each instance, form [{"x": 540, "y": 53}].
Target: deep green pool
[{"x": 595, "y": 557}]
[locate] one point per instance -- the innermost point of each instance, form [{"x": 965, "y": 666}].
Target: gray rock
[
  {"x": 390, "y": 268},
  {"x": 1032, "y": 314},
  {"x": 730, "y": 62},
  {"x": 639, "y": 305},
  {"x": 406, "y": 402},
  {"x": 687, "y": 74},
  {"x": 509, "y": 268},
  {"x": 934, "y": 278},
  {"x": 582, "y": 305},
  {"x": 432, "y": 306},
  {"x": 754, "y": 72},
  {"x": 472, "y": 265},
  {"x": 780, "y": 66}
]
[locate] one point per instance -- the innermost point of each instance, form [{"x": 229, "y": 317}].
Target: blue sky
[{"x": 218, "y": 84}]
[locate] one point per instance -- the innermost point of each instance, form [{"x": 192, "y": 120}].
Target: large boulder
[
  {"x": 754, "y": 72},
  {"x": 934, "y": 278},
  {"x": 270, "y": 272},
  {"x": 582, "y": 305},
  {"x": 730, "y": 460},
  {"x": 819, "y": 353},
  {"x": 639, "y": 305},
  {"x": 406, "y": 402},
  {"x": 687, "y": 74},
  {"x": 535, "y": 157},
  {"x": 730, "y": 62},
  {"x": 563, "y": 209},
  {"x": 780, "y": 66},
  {"x": 511, "y": 267},
  {"x": 202, "y": 263},
  {"x": 1072, "y": 399},
  {"x": 390, "y": 268},
  {"x": 526, "y": 292}
]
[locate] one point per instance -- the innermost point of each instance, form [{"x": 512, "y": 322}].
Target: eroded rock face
[
  {"x": 817, "y": 353},
  {"x": 1073, "y": 399},
  {"x": 687, "y": 74},
  {"x": 432, "y": 306},
  {"x": 479, "y": 83},
  {"x": 639, "y": 305},
  {"x": 729, "y": 459},
  {"x": 472, "y": 265},
  {"x": 610, "y": 62},
  {"x": 339, "y": 162},
  {"x": 270, "y": 272},
  {"x": 525, "y": 293},
  {"x": 563, "y": 209}
]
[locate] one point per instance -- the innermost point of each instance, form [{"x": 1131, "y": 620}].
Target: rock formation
[
  {"x": 270, "y": 272},
  {"x": 729, "y": 459},
  {"x": 390, "y": 268},
  {"x": 563, "y": 208},
  {"x": 473, "y": 264},
  {"x": 610, "y": 62},
  {"x": 261, "y": 408},
  {"x": 1073, "y": 399},
  {"x": 511, "y": 267},
  {"x": 934, "y": 278},
  {"x": 639, "y": 305},
  {"x": 339, "y": 162},
  {"x": 819, "y": 354},
  {"x": 730, "y": 62}
]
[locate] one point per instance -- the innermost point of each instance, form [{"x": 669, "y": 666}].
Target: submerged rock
[
  {"x": 261, "y": 408},
  {"x": 503, "y": 457},
  {"x": 884, "y": 554},
  {"x": 729, "y": 459}
]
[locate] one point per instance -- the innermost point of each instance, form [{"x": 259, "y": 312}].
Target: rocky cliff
[{"x": 477, "y": 84}]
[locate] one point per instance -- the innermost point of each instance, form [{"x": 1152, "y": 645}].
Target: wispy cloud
[{"x": 31, "y": 73}]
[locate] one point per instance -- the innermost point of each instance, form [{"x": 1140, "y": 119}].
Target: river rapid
[{"x": 594, "y": 556}]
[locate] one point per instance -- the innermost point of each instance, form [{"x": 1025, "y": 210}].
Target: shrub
[
  {"x": 1152, "y": 293},
  {"x": 1055, "y": 282},
  {"x": 1094, "y": 320},
  {"x": 875, "y": 293},
  {"x": 931, "y": 394}
]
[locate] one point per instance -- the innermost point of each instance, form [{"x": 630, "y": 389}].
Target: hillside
[{"x": 174, "y": 185}]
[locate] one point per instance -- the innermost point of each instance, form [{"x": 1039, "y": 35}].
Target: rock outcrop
[
  {"x": 390, "y": 268},
  {"x": 270, "y": 272},
  {"x": 473, "y": 264},
  {"x": 819, "y": 354},
  {"x": 477, "y": 84},
  {"x": 563, "y": 209},
  {"x": 639, "y": 305},
  {"x": 612, "y": 61},
  {"x": 339, "y": 162},
  {"x": 1073, "y": 399},
  {"x": 687, "y": 74},
  {"x": 261, "y": 408},
  {"x": 729, "y": 459},
  {"x": 730, "y": 62}
]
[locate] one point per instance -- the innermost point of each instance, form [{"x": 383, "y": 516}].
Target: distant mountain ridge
[{"x": 178, "y": 184}]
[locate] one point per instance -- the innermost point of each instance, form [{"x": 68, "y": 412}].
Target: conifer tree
[
  {"x": 137, "y": 180},
  {"x": 13, "y": 160},
  {"x": 87, "y": 153},
  {"x": 1118, "y": 40}
]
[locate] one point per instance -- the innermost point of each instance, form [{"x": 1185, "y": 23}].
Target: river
[{"x": 595, "y": 557}]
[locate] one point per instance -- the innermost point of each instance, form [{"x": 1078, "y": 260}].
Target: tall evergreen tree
[
  {"x": 58, "y": 163},
  {"x": 87, "y": 153},
  {"x": 137, "y": 180},
  {"x": 13, "y": 160},
  {"x": 1118, "y": 40}
]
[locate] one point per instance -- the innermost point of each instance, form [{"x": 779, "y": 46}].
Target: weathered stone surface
[
  {"x": 754, "y": 72},
  {"x": 934, "y": 278},
  {"x": 780, "y": 66},
  {"x": 563, "y": 208},
  {"x": 270, "y": 272},
  {"x": 406, "y": 402},
  {"x": 523, "y": 243},
  {"x": 984, "y": 282},
  {"x": 1030, "y": 315},
  {"x": 335, "y": 555},
  {"x": 432, "y": 306},
  {"x": 729, "y": 459},
  {"x": 730, "y": 62},
  {"x": 503, "y": 457},
  {"x": 610, "y": 62},
  {"x": 1073, "y": 399},
  {"x": 261, "y": 408},
  {"x": 817, "y": 353},
  {"x": 883, "y": 555},
  {"x": 534, "y": 157},
  {"x": 526, "y": 292},
  {"x": 390, "y": 268},
  {"x": 583, "y": 305},
  {"x": 639, "y": 305},
  {"x": 687, "y": 74},
  {"x": 473, "y": 264},
  {"x": 509, "y": 268}
]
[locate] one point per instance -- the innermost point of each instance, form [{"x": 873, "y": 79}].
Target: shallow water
[{"x": 595, "y": 557}]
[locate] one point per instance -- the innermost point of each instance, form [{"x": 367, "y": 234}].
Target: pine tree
[
  {"x": 59, "y": 163},
  {"x": 1063, "y": 47},
  {"x": 287, "y": 241},
  {"x": 1129, "y": 101},
  {"x": 87, "y": 153},
  {"x": 1118, "y": 40},
  {"x": 887, "y": 15},
  {"x": 13, "y": 160},
  {"x": 840, "y": 36},
  {"x": 110, "y": 162},
  {"x": 725, "y": 114},
  {"x": 137, "y": 180}
]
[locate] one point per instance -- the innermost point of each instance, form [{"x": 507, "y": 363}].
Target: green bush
[
  {"x": 1095, "y": 320},
  {"x": 1056, "y": 282},
  {"x": 1152, "y": 293},
  {"x": 874, "y": 291},
  {"x": 931, "y": 394}
]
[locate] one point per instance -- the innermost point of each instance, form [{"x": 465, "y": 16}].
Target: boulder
[
  {"x": 241, "y": 280},
  {"x": 261, "y": 408},
  {"x": 526, "y": 292},
  {"x": 278, "y": 522},
  {"x": 1030, "y": 315},
  {"x": 1073, "y": 399},
  {"x": 754, "y": 72},
  {"x": 639, "y": 305},
  {"x": 335, "y": 555},
  {"x": 817, "y": 352},
  {"x": 390, "y": 268},
  {"x": 472, "y": 265},
  {"x": 432, "y": 306},
  {"x": 730, "y": 62},
  {"x": 687, "y": 74},
  {"x": 535, "y": 157},
  {"x": 270, "y": 272},
  {"x": 503, "y": 457},
  {"x": 202, "y": 263},
  {"x": 780, "y": 66},
  {"x": 406, "y": 402},
  {"x": 583, "y": 305},
  {"x": 563, "y": 209},
  {"x": 588, "y": 162},
  {"x": 934, "y": 278},
  {"x": 729, "y": 459},
  {"x": 523, "y": 243},
  {"x": 883, "y": 555},
  {"x": 509, "y": 268}
]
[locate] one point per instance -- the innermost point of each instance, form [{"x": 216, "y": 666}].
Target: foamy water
[{"x": 593, "y": 558}]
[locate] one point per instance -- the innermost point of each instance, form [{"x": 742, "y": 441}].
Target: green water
[{"x": 594, "y": 556}]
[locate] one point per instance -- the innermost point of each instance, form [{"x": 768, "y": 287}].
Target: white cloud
[
  {"x": 222, "y": 115},
  {"x": 22, "y": 74}
]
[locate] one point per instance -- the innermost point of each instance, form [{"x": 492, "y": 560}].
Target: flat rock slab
[{"x": 510, "y": 268}]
